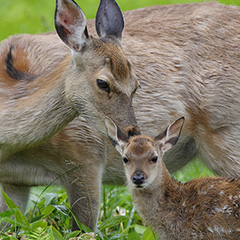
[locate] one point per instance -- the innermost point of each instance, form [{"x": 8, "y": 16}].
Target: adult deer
[
  {"x": 187, "y": 60},
  {"x": 44, "y": 85},
  {"x": 205, "y": 208}
]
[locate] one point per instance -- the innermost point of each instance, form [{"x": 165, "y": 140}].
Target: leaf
[
  {"x": 50, "y": 198},
  {"x": 48, "y": 209},
  {"x": 133, "y": 235},
  {"x": 55, "y": 233},
  {"x": 14, "y": 222},
  {"x": 8, "y": 213},
  {"x": 148, "y": 234},
  {"x": 140, "y": 229},
  {"x": 61, "y": 208},
  {"x": 112, "y": 221},
  {"x": 39, "y": 224},
  {"x": 20, "y": 218},
  {"x": 116, "y": 236},
  {"x": 72, "y": 234},
  {"x": 80, "y": 225}
]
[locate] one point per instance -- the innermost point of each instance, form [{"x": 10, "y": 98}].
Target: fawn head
[
  {"x": 142, "y": 155},
  {"x": 99, "y": 80}
]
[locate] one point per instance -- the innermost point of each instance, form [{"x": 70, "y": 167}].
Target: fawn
[
  {"x": 186, "y": 58},
  {"x": 205, "y": 208}
]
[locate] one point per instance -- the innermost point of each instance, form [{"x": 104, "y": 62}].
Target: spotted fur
[
  {"x": 186, "y": 58},
  {"x": 205, "y": 208}
]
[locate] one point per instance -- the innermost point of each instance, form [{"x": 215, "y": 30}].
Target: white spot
[
  {"x": 202, "y": 192},
  {"x": 230, "y": 197},
  {"x": 210, "y": 229},
  {"x": 225, "y": 207},
  {"x": 221, "y": 193},
  {"x": 219, "y": 230}
]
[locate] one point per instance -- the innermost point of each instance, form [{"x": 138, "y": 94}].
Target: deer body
[
  {"x": 38, "y": 104},
  {"x": 186, "y": 68},
  {"x": 186, "y": 58},
  {"x": 46, "y": 81},
  {"x": 206, "y": 208}
]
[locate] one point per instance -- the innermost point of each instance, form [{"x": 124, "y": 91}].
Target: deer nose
[{"x": 138, "y": 177}]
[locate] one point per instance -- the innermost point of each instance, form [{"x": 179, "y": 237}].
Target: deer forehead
[
  {"x": 120, "y": 66},
  {"x": 141, "y": 147}
]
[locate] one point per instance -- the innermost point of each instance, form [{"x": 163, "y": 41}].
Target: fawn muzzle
[{"x": 138, "y": 178}]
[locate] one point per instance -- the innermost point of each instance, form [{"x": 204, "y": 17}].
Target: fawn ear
[
  {"x": 167, "y": 139},
  {"x": 70, "y": 23},
  {"x": 118, "y": 138},
  {"x": 109, "y": 19}
]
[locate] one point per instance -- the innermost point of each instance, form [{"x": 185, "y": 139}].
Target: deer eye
[
  {"x": 125, "y": 160},
  {"x": 103, "y": 85},
  {"x": 154, "y": 159}
]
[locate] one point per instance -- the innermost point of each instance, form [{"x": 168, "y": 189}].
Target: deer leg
[
  {"x": 182, "y": 153},
  {"x": 84, "y": 190},
  {"x": 19, "y": 195}
]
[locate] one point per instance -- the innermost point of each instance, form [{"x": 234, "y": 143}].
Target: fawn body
[
  {"x": 205, "y": 208},
  {"x": 186, "y": 58}
]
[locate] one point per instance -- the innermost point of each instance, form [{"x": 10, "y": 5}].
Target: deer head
[
  {"x": 142, "y": 155},
  {"x": 99, "y": 80}
]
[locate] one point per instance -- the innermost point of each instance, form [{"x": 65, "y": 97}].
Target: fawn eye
[
  {"x": 154, "y": 159},
  {"x": 103, "y": 85},
  {"x": 125, "y": 160}
]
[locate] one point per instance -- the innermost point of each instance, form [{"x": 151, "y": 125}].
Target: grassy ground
[{"x": 48, "y": 213}]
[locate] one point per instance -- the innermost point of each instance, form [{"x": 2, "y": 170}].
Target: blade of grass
[{"x": 20, "y": 218}]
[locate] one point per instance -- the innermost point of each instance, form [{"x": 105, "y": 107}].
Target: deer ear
[
  {"x": 70, "y": 23},
  {"x": 109, "y": 19},
  {"x": 167, "y": 139},
  {"x": 118, "y": 138}
]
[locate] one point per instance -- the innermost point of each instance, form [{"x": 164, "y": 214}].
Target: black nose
[{"x": 138, "y": 177}]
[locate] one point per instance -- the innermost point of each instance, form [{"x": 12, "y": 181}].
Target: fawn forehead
[
  {"x": 141, "y": 145},
  {"x": 120, "y": 66}
]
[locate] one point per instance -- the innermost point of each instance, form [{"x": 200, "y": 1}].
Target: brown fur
[
  {"x": 186, "y": 58},
  {"x": 206, "y": 208},
  {"x": 44, "y": 86}
]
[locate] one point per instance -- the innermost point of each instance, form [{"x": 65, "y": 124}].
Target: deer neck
[{"x": 36, "y": 114}]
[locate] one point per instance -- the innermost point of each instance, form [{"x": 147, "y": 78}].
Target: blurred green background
[{"x": 36, "y": 16}]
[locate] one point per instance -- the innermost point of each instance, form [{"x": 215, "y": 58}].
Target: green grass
[{"x": 48, "y": 214}]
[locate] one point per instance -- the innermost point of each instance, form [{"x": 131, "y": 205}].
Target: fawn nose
[{"x": 138, "y": 177}]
